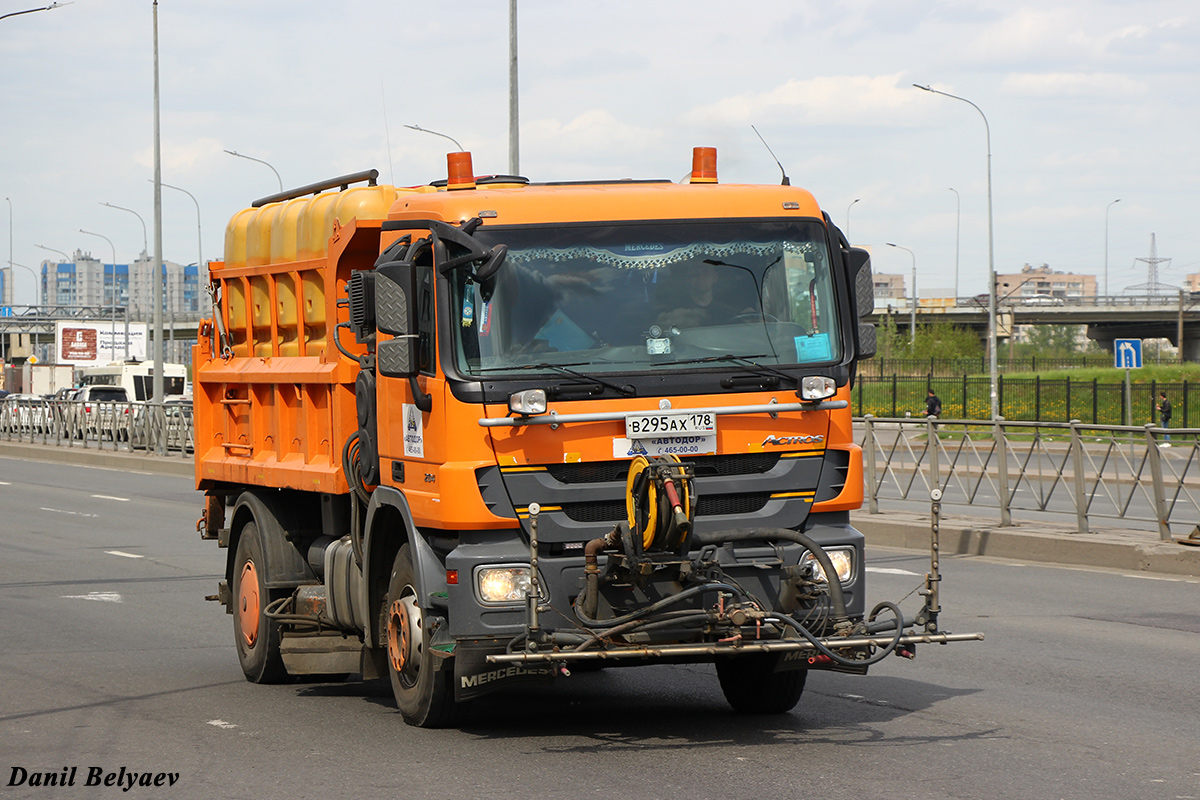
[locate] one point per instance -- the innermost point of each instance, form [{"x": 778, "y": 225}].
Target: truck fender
[
  {"x": 283, "y": 564},
  {"x": 390, "y": 524}
]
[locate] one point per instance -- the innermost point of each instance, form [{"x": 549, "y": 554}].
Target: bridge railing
[
  {"x": 101, "y": 425},
  {"x": 1085, "y": 471}
]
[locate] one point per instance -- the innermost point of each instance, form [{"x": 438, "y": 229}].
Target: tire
[
  {"x": 752, "y": 686},
  {"x": 424, "y": 694},
  {"x": 257, "y": 636}
]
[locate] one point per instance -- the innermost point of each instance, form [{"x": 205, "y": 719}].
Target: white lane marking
[
  {"x": 222, "y": 724},
  {"x": 889, "y": 571},
  {"x": 103, "y": 597},
  {"x": 122, "y": 554},
  {"x": 110, "y": 497},
  {"x": 62, "y": 511},
  {"x": 5, "y": 483}
]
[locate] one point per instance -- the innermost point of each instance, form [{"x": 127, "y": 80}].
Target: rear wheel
[
  {"x": 424, "y": 694},
  {"x": 257, "y": 636},
  {"x": 752, "y": 686}
]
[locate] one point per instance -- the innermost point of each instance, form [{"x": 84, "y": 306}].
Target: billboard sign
[{"x": 87, "y": 344}]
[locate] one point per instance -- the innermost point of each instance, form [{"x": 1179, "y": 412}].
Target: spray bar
[{"x": 716, "y": 649}]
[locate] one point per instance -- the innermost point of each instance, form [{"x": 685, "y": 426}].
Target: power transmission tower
[{"x": 1152, "y": 286}]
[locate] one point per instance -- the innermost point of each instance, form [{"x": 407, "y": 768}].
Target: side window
[{"x": 426, "y": 318}]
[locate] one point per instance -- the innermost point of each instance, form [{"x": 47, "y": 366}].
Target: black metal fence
[
  {"x": 1031, "y": 399},
  {"x": 949, "y": 367}
]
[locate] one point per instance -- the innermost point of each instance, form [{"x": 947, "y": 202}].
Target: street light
[
  {"x": 957, "y": 231},
  {"x": 33, "y": 274},
  {"x": 113, "y": 304},
  {"x": 260, "y": 161},
  {"x": 1106, "y": 210},
  {"x": 7, "y": 299},
  {"x": 31, "y": 10},
  {"x": 992, "y": 367},
  {"x": 435, "y": 133},
  {"x": 912, "y": 323},
  {"x": 145, "y": 241},
  {"x": 199, "y": 238},
  {"x": 848, "y": 217}
]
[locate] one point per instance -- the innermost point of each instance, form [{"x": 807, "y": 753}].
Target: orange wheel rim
[
  {"x": 398, "y": 635},
  {"x": 248, "y": 605}
]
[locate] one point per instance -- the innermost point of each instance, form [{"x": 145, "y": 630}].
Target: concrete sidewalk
[{"x": 1134, "y": 551}]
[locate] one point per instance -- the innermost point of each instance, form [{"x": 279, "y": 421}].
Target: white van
[{"x": 136, "y": 378}]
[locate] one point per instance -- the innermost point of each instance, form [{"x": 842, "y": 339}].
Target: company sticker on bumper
[{"x": 691, "y": 445}]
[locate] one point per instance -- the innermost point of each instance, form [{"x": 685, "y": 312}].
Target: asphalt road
[{"x": 1086, "y": 686}]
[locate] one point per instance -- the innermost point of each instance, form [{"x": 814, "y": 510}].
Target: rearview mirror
[{"x": 395, "y": 314}]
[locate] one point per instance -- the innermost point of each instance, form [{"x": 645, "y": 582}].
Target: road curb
[
  {"x": 1132, "y": 551},
  {"x": 1125, "y": 550},
  {"x": 106, "y": 459}
]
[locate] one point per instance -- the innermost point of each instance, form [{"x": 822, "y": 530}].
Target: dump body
[{"x": 481, "y": 429}]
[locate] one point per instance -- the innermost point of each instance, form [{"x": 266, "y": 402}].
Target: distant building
[
  {"x": 1042, "y": 281},
  {"x": 1192, "y": 282},
  {"x": 888, "y": 287},
  {"x": 86, "y": 281}
]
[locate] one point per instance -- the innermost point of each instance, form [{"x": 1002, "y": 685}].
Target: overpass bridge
[{"x": 1156, "y": 316}]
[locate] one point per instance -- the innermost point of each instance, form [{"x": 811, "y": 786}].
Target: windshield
[{"x": 642, "y": 297}]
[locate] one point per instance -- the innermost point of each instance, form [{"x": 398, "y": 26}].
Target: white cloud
[
  {"x": 1107, "y": 86},
  {"x": 827, "y": 100}
]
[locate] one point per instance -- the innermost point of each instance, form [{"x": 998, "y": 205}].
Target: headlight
[
  {"x": 503, "y": 584},
  {"x": 528, "y": 402},
  {"x": 817, "y": 387},
  {"x": 843, "y": 563}
]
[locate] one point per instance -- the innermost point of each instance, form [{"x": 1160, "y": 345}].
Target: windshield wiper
[
  {"x": 746, "y": 361},
  {"x": 565, "y": 369},
  {"x": 625, "y": 390}
]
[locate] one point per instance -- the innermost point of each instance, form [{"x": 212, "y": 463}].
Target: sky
[{"x": 1087, "y": 102}]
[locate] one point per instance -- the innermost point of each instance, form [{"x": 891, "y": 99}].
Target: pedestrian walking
[
  {"x": 1164, "y": 412},
  {"x": 933, "y": 405}
]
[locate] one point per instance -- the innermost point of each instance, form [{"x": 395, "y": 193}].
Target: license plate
[{"x": 673, "y": 423}]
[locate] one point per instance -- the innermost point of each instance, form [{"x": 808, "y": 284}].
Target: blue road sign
[{"x": 1127, "y": 353}]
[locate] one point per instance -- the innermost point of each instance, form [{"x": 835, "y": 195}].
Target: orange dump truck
[{"x": 487, "y": 431}]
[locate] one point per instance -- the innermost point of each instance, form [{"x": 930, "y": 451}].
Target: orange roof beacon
[{"x": 484, "y": 431}]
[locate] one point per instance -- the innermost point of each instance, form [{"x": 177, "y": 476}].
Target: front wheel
[
  {"x": 424, "y": 694},
  {"x": 752, "y": 686}
]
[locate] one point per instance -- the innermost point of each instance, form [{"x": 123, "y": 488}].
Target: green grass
[{"x": 1163, "y": 373}]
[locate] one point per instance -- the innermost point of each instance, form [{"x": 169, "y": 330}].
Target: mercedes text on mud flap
[{"x": 476, "y": 433}]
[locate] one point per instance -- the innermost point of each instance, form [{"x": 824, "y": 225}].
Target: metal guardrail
[
  {"x": 1144, "y": 473},
  {"x": 103, "y": 425}
]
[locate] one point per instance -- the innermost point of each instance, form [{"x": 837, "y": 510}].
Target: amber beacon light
[
  {"x": 704, "y": 165},
  {"x": 460, "y": 173}
]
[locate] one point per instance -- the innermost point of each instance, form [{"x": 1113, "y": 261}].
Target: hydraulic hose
[
  {"x": 787, "y": 535},
  {"x": 848, "y": 662},
  {"x": 656, "y": 606}
]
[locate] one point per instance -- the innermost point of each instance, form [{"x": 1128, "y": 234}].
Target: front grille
[
  {"x": 709, "y": 505},
  {"x": 706, "y": 466}
]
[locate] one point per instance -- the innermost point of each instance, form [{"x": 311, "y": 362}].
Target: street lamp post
[
  {"x": 435, "y": 133},
  {"x": 145, "y": 241},
  {"x": 31, "y": 10},
  {"x": 957, "y": 237},
  {"x": 1106, "y": 210},
  {"x": 66, "y": 260},
  {"x": 993, "y": 371},
  {"x": 7, "y": 299},
  {"x": 199, "y": 238},
  {"x": 848, "y": 216},
  {"x": 260, "y": 161},
  {"x": 113, "y": 302},
  {"x": 32, "y": 274},
  {"x": 912, "y": 322}
]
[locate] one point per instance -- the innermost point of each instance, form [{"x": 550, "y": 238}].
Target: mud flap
[{"x": 475, "y": 677}]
